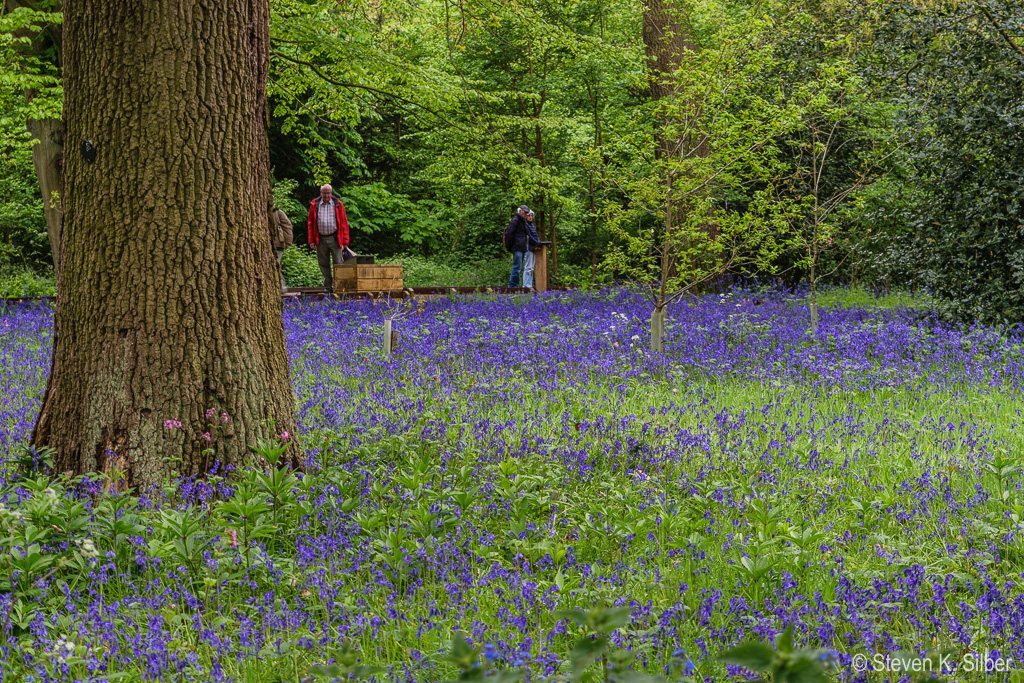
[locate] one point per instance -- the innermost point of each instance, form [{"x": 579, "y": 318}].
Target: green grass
[{"x": 860, "y": 297}]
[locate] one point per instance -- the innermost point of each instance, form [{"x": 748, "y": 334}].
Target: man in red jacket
[{"x": 327, "y": 227}]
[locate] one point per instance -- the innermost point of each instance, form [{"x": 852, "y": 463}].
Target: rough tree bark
[
  {"x": 667, "y": 38},
  {"x": 170, "y": 301}
]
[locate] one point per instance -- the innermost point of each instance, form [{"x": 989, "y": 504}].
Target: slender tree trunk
[
  {"x": 48, "y": 161},
  {"x": 667, "y": 38},
  {"x": 813, "y": 277},
  {"x": 48, "y": 153},
  {"x": 170, "y": 303}
]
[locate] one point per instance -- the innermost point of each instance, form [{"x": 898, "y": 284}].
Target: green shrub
[
  {"x": 452, "y": 271},
  {"x": 581, "y": 277},
  {"x": 23, "y": 282},
  {"x": 300, "y": 268}
]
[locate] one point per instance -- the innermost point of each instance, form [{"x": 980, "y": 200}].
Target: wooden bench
[{"x": 367, "y": 278}]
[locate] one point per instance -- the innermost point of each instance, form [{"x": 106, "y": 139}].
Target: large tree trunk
[
  {"x": 169, "y": 302},
  {"x": 668, "y": 38}
]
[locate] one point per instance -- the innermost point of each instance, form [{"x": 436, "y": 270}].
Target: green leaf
[
  {"x": 611, "y": 619},
  {"x": 587, "y": 650},
  {"x": 462, "y": 654},
  {"x": 576, "y": 616},
  {"x": 803, "y": 670},
  {"x": 754, "y": 656},
  {"x": 784, "y": 641}
]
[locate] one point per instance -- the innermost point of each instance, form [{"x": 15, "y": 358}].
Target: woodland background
[{"x": 873, "y": 143}]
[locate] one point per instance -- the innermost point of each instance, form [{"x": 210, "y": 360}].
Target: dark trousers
[{"x": 327, "y": 249}]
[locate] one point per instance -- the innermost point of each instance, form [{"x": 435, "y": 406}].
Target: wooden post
[
  {"x": 389, "y": 340},
  {"x": 540, "y": 268},
  {"x": 657, "y": 330}
]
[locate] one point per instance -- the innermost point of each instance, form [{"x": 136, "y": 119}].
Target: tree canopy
[{"x": 434, "y": 118}]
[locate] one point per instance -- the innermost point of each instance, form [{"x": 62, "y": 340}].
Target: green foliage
[
  {"x": 284, "y": 191},
  {"x": 30, "y": 88},
  {"x": 784, "y": 662},
  {"x": 593, "y": 650},
  {"x": 300, "y": 268},
  {"x": 23, "y": 238},
  {"x": 372, "y": 209},
  {"x": 954, "y": 225},
  {"x": 841, "y": 124},
  {"x": 29, "y": 47},
  {"x": 453, "y": 271},
  {"x": 859, "y": 297},
  {"x": 716, "y": 134},
  {"x": 16, "y": 282}
]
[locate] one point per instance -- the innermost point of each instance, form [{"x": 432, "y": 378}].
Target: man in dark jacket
[
  {"x": 517, "y": 240},
  {"x": 327, "y": 230}
]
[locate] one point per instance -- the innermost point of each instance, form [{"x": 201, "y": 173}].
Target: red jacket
[{"x": 339, "y": 215}]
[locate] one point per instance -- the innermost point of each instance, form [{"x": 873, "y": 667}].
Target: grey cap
[{"x": 524, "y": 208}]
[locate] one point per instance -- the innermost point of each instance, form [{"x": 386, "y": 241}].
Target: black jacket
[
  {"x": 517, "y": 235},
  {"x": 534, "y": 239}
]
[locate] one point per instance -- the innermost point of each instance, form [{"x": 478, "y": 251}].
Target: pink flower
[
  {"x": 224, "y": 417},
  {"x": 234, "y": 538},
  {"x": 210, "y": 413},
  {"x": 207, "y": 436},
  {"x": 172, "y": 424},
  {"x": 284, "y": 435}
]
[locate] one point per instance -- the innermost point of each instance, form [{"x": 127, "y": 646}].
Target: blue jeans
[
  {"x": 528, "y": 264},
  {"x": 517, "y": 267}
]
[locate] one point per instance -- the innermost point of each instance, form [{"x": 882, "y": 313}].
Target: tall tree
[
  {"x": 712, "y": 138},
  {"x": 169, "y": 313},
  {"x": 668, "y": 38}
]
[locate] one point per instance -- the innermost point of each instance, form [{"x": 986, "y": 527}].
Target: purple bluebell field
[{"x": 521, "y": 455}]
